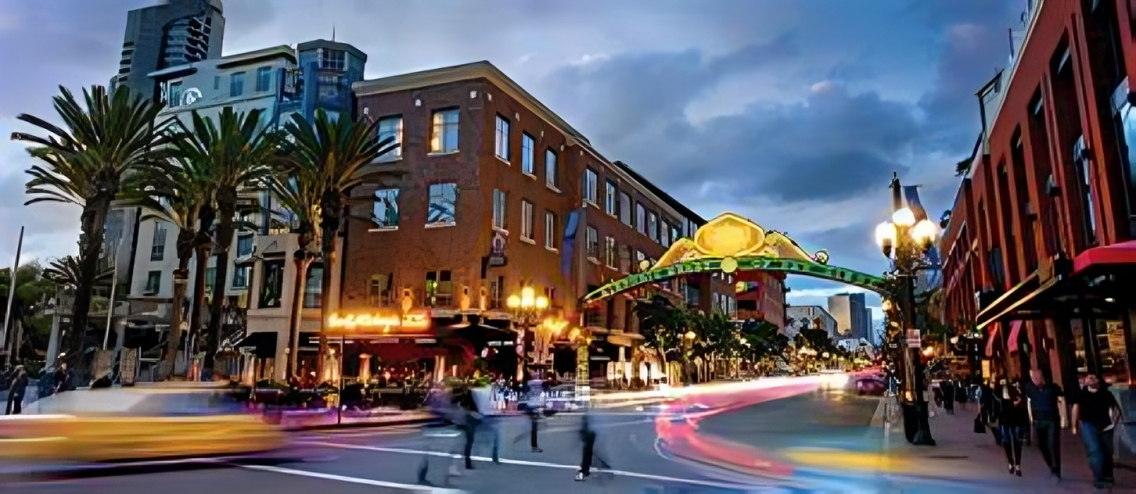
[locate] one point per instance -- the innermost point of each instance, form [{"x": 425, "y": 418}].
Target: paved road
[{"x": 792, "y": 431}]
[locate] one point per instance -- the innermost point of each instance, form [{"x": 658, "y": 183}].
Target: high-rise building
[
  {"x": 176, "y": 32},
  {"x": 851, "y": 313}
]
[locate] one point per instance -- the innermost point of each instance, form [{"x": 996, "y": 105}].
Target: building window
[
  {"x": 611, "y": 199},
  {"x": 550, "y": 294},
  {"x": 240, "y": 277},
  {"x": 624, "y": 259},
  {"x": 551, "y": 176},
  {"x": 550, "y": 230},
  {"x": 439, "y": 289},
  {"x": 676, "y": 233},
  {"x": 591, "y": 183},
  {"x": 665, "y": 234},
  {"x": 444, "y": 136},
  {"x": 640, "y": 218},
  {"x": 272, "y": 284},
  {"x": 498, "y": 209},
  {"x": 625, "y": 208},
  {"x": 497, "y": 293},
  {"x": 502, "y": 142},
  {"x": 610, "y": 256},
  {"x": 153, "y": 282},
  {"x": 158, "y": 249},
  {"x": 653, "y": 226},
  {"x": 263, "y": 79},
  {"x": 385, "y": 209},
  {"x": 526, "y": 220},
  {"x": 173, "y": 95},
  {"x": 639, "y": 258},
  {"x": 313, "y": 287},
  {"x": 216, "y": 83},
  {"x": 244, "y": 245},
  {"x": 1085, "y": 181},
  {"x": 378, "y": 294},
  {"x": 526, "y": 154},
  {"x": 236, "y": 84},
  {"x": 333, "y": 59},
  {"x": 210, "y": 279},
  {"x": 443, "y": 205},
  {"x": 390, "y": 128},
  {"x": 593, "y": 243}
]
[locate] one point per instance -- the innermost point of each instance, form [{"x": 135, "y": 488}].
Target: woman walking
[{"x": 1012, "y": 418}]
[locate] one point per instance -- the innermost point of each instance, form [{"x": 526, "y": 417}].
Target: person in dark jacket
[
  {"x": 1010, "y": 406},
  {"x": 1095, "y": 415},
  {"x": 948, "y": 388},
  {"x": 1046, "y": 412},
  {"x": 17, "y": 389},
  {"x": 62, "y": 379}
]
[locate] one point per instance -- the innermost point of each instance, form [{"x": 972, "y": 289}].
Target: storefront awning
[
  {"x": 992, "y": 339},
  {"x": 1015, "y": 332},
  {"x": 1014, "y": 299},
  {"x": 1109, "y": 255},
  {"x": 263, "y": 344}
]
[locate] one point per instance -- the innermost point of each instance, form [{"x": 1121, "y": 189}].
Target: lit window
[
  {"x": 439, "y": 289},
  {"x": 526, "y": 154},
  {"x": 653, "y": 226},
  {"x": 550, "y": 230},
  {"x": 593, "y": 244},
  {"x": 390, "y": 128},
  {"x": 551, "y": 177},
  {"x": 313, "y": 288},
  {"x": 385, "y": 209},
  {"x": 610, "y": 256},
  {"x": 444, "y": 136},
  {"x": 590, "y": 184},
  {"x": 526, "y": 220},
  {"x": 502, "y": 142},
  {"x": 272, "y": 283},
  {"x": 664, "y": 232},
  {"x": 498, "y": 209},
  {"x": 443, "y": 204},
  {"x": 263, "y": 79}
]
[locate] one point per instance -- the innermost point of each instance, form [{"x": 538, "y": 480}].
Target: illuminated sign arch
[{"x": 732, "y": 243}]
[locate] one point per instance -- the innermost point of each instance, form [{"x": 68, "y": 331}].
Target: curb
[{"x": 359, "y": 425}]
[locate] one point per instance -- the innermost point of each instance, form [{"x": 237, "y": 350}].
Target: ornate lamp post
[
  {"x": 687, "y": 345},
  {"x": 527, "y": 309},
  {"x": 905, "y": 243}
]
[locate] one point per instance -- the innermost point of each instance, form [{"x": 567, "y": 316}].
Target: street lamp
[
  {"x": 527, "y": 309},
  {"x": 905, "y": 241}
]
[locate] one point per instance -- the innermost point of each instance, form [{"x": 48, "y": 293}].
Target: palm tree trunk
[
  {"x": 226, "y": 212},
  {"x": 202, "y": 251},
  {"x": 185, "y": 240},
  {"x": 327, "y": 244},
  {"x": 298, "y": 286},
  {"x": 92, "y": 223}
]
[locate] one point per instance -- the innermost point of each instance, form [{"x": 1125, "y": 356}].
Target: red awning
[
  {"x": 991, "y": 338},
  {"x": 1121, "y": 253},
  {"x": 1015, "y": 330}
]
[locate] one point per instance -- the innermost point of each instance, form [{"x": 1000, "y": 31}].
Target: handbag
[{"x": 979, "y": 426}]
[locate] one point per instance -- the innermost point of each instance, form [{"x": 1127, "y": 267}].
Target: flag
[
  {"x": 911, "y": 193},
  {"x": 570, "y": 227}
]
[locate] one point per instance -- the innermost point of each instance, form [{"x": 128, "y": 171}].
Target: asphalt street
[{"x": 386, "y": 460}]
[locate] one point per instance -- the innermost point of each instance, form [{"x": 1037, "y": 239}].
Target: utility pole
[{"x": 11, "y": 297}]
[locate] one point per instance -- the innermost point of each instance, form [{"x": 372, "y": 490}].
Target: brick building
[
  {"x": 1037, "y": 251},
  {"x": 498, "y": 193}
]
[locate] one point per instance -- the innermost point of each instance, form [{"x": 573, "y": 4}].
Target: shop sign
[
  {"x": 914, "y": 340},
  {"x": 601, "y": 357},
  {"x": 425, "y": 340},
  {"x": 415, "y": 320},
  {"x": 497, "y": 250}
]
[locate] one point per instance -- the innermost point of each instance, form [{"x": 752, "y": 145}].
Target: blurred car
[
  {"x": 139, "y": 423},
  {"x": 870, "y": 385},
  {"x": 561, "y": 398}
]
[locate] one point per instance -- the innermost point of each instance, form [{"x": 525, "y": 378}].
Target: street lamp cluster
[
  {"x": 906, "y": 242},
  {"x": 527, "y": 309}
]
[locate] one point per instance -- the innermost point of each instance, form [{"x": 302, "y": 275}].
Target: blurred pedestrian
[
  {"x": 441, "y": 435},
  {"x": 17, "y": 389},
  {"x": 1012, "y": 418},
  {"x": 490, "y": 418},
  {"x": 948, "y": 387},
  {"x": 1095, "y": 414},
  {"x": 62, "y": 379},
  {"x": 1043, "y": 402},
  {"x": 533, "y": 406},
  {"x": 588, "y": 438}
]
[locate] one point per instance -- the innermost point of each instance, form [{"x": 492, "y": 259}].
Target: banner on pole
[{"x": 914, "y": 340}]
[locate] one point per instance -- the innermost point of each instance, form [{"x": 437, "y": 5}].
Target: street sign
[{"x": 914, "y": 340}]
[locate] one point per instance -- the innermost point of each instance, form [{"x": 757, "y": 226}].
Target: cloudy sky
[{"x": 792, "y": 112}]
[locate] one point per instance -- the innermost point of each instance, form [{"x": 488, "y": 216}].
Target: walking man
[
  {"x": 534, "y": 405},
  {"x": 17, "y": 388},
  {"x": 1046, "y": 419},
  {"x": 1095, "y": 413}
]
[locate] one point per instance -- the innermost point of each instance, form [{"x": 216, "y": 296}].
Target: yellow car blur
[{"x": 137, "y": 423}]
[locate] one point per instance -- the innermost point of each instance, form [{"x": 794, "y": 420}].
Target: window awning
[{"x": 1109, "y": 255}]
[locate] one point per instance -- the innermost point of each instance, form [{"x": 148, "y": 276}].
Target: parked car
[{"x": 870, "y": 385}]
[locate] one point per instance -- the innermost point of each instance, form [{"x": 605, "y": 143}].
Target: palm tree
[
  {"x": 234, "y": 153},
  {"x": 297, "y": 191},
  {"x": 176, "y": 192},
  {"x": 336, "y": 153},
  {"x": 83, "y": 163}
]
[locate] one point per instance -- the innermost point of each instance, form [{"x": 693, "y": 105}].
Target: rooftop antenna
[{"x": 333, "y": 32}]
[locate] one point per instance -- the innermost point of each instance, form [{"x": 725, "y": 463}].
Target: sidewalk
[{"x": 962, "y": 454}]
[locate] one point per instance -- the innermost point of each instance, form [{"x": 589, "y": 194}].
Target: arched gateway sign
[{"x": 730, "y": 243}]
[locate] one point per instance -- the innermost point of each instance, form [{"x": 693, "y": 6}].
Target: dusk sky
[{"x": 791, "y": 112}]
